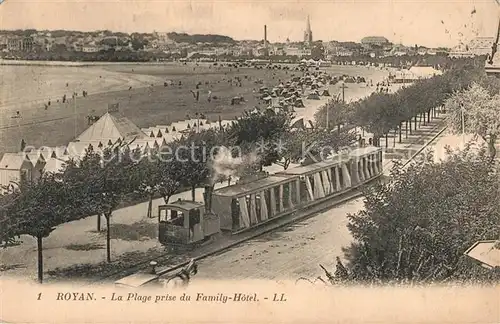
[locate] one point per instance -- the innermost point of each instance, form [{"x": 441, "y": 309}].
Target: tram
[{"x": 243, "y": 206}]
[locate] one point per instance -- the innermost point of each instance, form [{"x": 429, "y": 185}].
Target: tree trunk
[
  {"x": 416, "y": 122},
  {"x": 406, "y": 129},
  {"x": 98, "y": 222},
  {"x": 193, "y": 193},
  {"x": 429, "y": 116},
  {"x": 409, "y": 123},
  {"x": 400, "y": 126},
  {"x": 491, "y": 147},
  {"x": 150, "y": 206},
  {"x": 394, "y": 138},
  {"x": 108, "y": 238},
  {"x": 387, "y": 140},
  {"x": 362, "y": 132},
  {"x": 286, "y": 164},
  {"x": 40, "y": 258}
]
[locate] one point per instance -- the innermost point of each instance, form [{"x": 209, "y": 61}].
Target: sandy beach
[{"x": 29, "y": 87}]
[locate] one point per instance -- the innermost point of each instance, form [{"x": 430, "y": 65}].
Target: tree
[
  {"x": 36, "y": 209},
  {"x": 478, "y": 111},
  {"x": 416, "y": 227},
  {"x": 160, "y": 174},
  {"x": 195, "y": 153},
  {"x": 261, "y": 131},
  {"x": 102, "y": 180}
]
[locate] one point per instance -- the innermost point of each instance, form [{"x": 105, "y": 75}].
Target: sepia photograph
[{"x": 250, "y": 161}]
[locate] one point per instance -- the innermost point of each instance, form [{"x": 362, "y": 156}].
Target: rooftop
[
  {"x": 13, "y": 161},
  {"x": 306, "y": 169},
  {"x": 486, "y": 253},
  {"x": 184, "y": 204}
]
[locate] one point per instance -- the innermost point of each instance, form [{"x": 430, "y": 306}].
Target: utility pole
[
  {"x": 343, "y": 87},
  {"x": 74, "y": 111},
  {"x": 463, "y": 121},
  {"x": 327, "y": 117}
]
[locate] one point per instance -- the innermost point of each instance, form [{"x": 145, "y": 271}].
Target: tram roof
[
  {"x": 311, "y": 168},
  {"x": 364, "y": 151},
  {"x": 183, "y": 204},
  {"x": 254, "y": 186}
]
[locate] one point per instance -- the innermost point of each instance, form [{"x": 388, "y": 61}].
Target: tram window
[
  {"x": 277, "y": 198},
  {"x": 293, "y": 188},
  {"x": 304, "y": 194},
  {"x": 194, "y": 217},
  {"x": 257, "y": 206},
  {"x": 247, "y": 199},
  {"x": 333, "y": 179},
  {"x": 341, "y": 178},
  {"x": 175, "y": 217},
  {"x": 311, "y": 180},
  {"x": 267, "y": 194},
  {"x": 235, "y": 213},
  {"x": 286, "y": 195}
]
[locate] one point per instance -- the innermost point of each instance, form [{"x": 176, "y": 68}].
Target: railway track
[{"x": 182, "y": 261}]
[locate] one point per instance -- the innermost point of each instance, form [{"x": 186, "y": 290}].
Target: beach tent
[
  {"x": 313, "y": 96},
  {"x": 299, "y": 103},
  {"x": 297, "y": 123},
  {"x": 59, "y": 152},
  {"x": 77, "y": 150},
  {"x": 424, "y": 72},
  {"x": 38, "y": 162},
  {"x": 111, "y": 125},
  {"x": 325, "y": 93},
  {"x": 13, "y": 168},
  {"x": 56, "y": 165}
]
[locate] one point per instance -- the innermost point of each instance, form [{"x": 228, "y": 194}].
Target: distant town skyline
[{"x": 427, "y": 23}]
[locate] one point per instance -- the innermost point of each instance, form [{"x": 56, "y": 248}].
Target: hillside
[{"x": 198, "y": 38}]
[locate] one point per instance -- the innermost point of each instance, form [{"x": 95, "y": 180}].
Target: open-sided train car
[{"x": 243, "y": 206}]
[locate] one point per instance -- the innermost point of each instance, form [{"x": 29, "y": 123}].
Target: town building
[
  {"x": 371, "y": 41},
  {"x": 24, "y": 44},
  {"x": 476, "y": 47}
]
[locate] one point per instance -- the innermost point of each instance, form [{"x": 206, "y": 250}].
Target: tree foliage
[
  {"x": 36, "y": 208},
  {"x": 478, "y": 111},
  {"x": 416, "y": 227}
]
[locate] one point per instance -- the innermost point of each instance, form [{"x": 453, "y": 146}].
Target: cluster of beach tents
[{"x": 289, "y": 95}]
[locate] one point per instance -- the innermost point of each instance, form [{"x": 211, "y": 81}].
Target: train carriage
[
  {"x": 242, "y": 206},
  {"x": 320, "y": 180}
]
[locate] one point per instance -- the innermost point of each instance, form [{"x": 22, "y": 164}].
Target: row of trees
[{"x": 382, "y": 113}]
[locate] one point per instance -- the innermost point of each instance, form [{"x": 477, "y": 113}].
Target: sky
[{"x": 424, "y": 22}]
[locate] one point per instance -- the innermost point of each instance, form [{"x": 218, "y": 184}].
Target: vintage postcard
[{"x": 249, "y": 162}]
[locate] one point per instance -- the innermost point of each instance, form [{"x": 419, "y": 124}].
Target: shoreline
[{"x": 46, "y": 123}]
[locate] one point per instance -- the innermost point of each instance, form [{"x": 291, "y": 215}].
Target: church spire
[{"x": 308, "y": 32}]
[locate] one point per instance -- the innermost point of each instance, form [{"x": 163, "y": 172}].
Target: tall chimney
[{"x": 265, "y": 37}]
